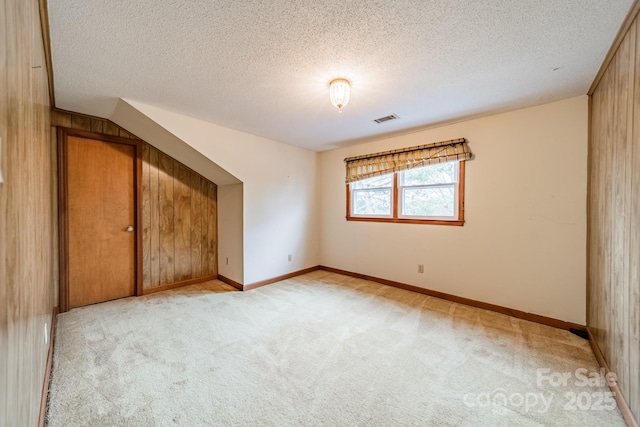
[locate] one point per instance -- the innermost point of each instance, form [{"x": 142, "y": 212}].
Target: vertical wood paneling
[
  {"x": 614, "y": 216},
  {"x": 26, "y": 209},
  {"x": 186, "y": 221},
  {"x": 629, "y": 86},
  {"x": 146, "y": 215},
  {"x": 182, "y": 221},
  {"x": 165, "y": 205},
  {"x": 80, "y": 122},
  {"x": 596, "y": 213},
  {"x": 60, "y": 118},
  {"x": 204, "y": 189},
  {"x": 154, "y": 196},
  {"x": 4, "y": 243},
  {"x": 97, "y": 125},
  {"x": 618, "y": 219},
  {"x": 124, "y": 134},
  {"x": 213, "y": 230},
  {"x": 110, "y": 128},
  {"x": 634, "y": 242},
  {"x": 196, "y": 226},
  {"x": 187, "y": 229}
]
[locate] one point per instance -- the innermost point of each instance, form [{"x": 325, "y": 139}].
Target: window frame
[
  {"x": 396, "y": 204},
  {"x": 392, "y": 197}
]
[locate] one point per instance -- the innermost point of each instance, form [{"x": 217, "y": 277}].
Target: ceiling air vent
[{"x": 386, "y": 118}]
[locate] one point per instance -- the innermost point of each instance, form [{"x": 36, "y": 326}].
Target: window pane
[
  {"x": 382, "y": 181},
  {"x": 432, "y": 201},
  {"x": 441, "y": 173},
  {"x": 371, "y": 202}
]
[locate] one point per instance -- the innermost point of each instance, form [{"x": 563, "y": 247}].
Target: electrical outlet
[
  {"x": 46, "y": 333},
  {"x": 420, "y": 268},
  {"x": 289, "y": 257}
]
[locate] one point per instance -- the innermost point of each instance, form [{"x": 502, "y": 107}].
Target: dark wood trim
[
  {"x": 179, "y": 284},
  {"x": 560, "y": 324},
  {"x": 348, "y": 214},
  {"x": 63, "y": 224},
  {"x": 623, "y": 406},
  {"x": 44, "y": 399},
  {"x": 231, "y": 282},
  {"x": 395, "y": 195},
  {"x": 588, "y": 208},
  {"x": 63, "y": 133},
  {"x": 633, "y": 12},
  {"x": 461, "y": 178},
  {"x": 408, "y": 221},
  {"x": 46, "y": 43},
  {"x": 396, "y": 219},
  {"x": 279, "y": 278}
]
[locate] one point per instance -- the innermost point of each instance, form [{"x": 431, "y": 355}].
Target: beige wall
[
  {"x": 614, "y": 217},
  {"x": 523, "y": 244},
  {"x": 26, "y": 214},
  {"x": 230, "y": 232}
]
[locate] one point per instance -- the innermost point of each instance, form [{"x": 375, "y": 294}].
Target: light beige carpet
[{"x": 318, "y": 350}]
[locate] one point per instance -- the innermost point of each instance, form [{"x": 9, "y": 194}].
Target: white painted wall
[
  {"x": 128, "y": 117},
  {"x": 279, "y": 191},
  {"x": 230, "y": 214},
  {"x": 523, "y": 245}
]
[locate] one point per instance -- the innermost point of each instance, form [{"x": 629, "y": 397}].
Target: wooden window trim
[{"x": 398, "y": 220}]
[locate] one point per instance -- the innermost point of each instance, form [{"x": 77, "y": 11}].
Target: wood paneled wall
[
  {"x": 179, "y": 222},
  {"x": 179, "y": 211},
  {"x": 614, "y": 216},
  {"x": 26, "y": 213},
  {"x": 71, "y": 120}
]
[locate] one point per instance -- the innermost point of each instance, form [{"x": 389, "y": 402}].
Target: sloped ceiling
[{"x": 263, "y": 67}]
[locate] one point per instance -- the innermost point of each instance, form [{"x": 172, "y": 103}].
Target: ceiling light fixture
[{"x": 339, "y": 90}]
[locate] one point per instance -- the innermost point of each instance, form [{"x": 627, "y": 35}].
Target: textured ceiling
[{"x": 263, "y": 67}]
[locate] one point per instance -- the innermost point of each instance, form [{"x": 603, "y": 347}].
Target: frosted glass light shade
[{"x": 339, "y": 91}]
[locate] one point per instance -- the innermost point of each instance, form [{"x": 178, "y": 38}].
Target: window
[
  {"x": 423, "y": 184},
  {"x": 373, "y": 197},
  {"x": 432, "y": 194}
]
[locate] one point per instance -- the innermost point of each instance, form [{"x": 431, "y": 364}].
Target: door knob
[{"x": 130, "y": 228}]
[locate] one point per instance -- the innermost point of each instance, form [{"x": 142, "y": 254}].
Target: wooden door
[{"x": 101, "y": 212}]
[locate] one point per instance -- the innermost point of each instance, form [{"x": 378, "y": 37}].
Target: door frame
[{"x": 63, "y": 134}]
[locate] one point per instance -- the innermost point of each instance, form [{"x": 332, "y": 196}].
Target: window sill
[{"x": 456, "y": 223}]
